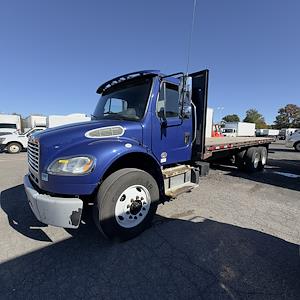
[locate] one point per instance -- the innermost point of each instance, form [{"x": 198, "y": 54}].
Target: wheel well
[{"x": 139, "y": 161}]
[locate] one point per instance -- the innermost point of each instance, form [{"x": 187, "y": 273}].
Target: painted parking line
[{"x": 290, "y": 175}]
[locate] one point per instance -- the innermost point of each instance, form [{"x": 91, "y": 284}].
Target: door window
[
  {"x": 168, "y": 100},
  {"x": 114, "y": 105}
]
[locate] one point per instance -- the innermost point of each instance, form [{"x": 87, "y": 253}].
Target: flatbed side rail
[{"x": 218, "y": 145}]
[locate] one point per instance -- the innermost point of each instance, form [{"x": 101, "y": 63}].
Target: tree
[
  {"x": 288, "y": 117},
  {"x": 231, "y": 118},
  {"x": 253, "y": 116}
]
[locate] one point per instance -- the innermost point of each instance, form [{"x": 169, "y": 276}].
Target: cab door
[{"x": 171, "y": 134}]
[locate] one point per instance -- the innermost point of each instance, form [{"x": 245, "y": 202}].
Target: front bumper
[
  {"x": 56, "y": 211},
  {"x": 2, "y": 147}
]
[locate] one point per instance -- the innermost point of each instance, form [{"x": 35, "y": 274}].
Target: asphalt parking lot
[{"x": 236, "y": 236}]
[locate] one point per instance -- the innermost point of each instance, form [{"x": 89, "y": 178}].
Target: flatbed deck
[{"x": 225, "y": 143}]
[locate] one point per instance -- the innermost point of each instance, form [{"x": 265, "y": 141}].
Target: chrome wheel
[
  {"x": 256, "y": 160},
  {"x": 132, "y": 206},
  {"x": 263, "y": 158}
]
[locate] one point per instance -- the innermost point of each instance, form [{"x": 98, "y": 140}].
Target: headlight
[
  {"x": 71, "y": 166},
  {"x": 2, "y": 140}
]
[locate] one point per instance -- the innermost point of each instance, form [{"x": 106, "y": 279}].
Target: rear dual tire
[
  {"x": 253, "y": 159},
  {"x": 126, "y": 204}
]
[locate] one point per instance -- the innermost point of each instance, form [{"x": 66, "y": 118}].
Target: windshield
[
  {"x": 126, "y": 101},
  {"x": 227, "y": 130}
]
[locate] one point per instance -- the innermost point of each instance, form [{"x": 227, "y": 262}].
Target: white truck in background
[
  {"x": 284, "y": 133},
  {"x": 235, "y": 129},
  {"x": 293, "y": 140},
  {"x": 14, "y": 143}
]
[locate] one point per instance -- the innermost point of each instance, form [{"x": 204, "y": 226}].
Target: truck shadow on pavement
[
  {"x": 180, "y": 259},
  {"x": 273, "y": 174}
]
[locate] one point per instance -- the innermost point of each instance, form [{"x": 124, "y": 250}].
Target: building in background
[{"x": 56, "y": 120}]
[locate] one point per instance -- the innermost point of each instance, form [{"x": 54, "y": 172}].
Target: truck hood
[{"x": 65, "y": 136}]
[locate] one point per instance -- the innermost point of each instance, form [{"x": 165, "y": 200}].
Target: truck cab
[
  {"x": 143, "y": 124},
  {"x": 230, "y": 132}
]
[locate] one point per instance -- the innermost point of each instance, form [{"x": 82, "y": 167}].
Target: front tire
[
  {"x": 297, "y": 147},
  {"x": 126, "y": 204},
  {"x": 14, "y": 148}
]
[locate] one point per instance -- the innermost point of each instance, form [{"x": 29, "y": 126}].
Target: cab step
[
  {"x": 180, "y": 189},
  {"x": 177, "y": 170},
  {"x": 180, "y": 179}
]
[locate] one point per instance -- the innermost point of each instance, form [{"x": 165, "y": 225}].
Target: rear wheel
[
  {"x": 126, "y": 203},
  {"x": 263, "y": 157},
  {"x": 240, "y": 160},
  {"x": 297, "y": 147},
  {"x": 14, "y": 148},
  {"x": 252, "y": 159}
]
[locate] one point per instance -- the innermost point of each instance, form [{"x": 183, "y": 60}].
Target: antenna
[{"x": 190, "y": 38}]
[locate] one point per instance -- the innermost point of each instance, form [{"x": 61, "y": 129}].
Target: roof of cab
[{"x": 121, "y": 78}]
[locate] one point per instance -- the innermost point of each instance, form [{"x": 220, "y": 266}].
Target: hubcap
[
  {"x": 132, "y": 206},
  {"x": 256, "y": 160},
  {"x": 264, "y": 158},
  {"x": 14, "y": 148}
]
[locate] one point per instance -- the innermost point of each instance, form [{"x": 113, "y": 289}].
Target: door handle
[{"x": 187, "y": 136}]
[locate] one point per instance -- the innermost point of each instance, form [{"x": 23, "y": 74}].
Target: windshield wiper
[
  {"x": 94, "y": 117},
  {"x": 117, "y": 116}
]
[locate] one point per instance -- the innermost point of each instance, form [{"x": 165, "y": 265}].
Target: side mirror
[
  {"x": 185, "y": 96},
  {"x": 162, "y": 115}
]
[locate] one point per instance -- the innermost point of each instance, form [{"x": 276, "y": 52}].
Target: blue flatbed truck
[{"x": 145, "y": 144}]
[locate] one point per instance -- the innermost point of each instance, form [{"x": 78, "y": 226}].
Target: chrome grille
[{"x": 33, "y": 152}]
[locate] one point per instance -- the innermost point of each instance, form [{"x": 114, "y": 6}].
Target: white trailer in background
[
  {"x": 233, "y": 129},
  {"x": 9, "y": 123},
  {"x": 209, "y": 122},
  {"x": 55, "y": 120},
  {"x": 34, "y": 121},
  {"x": 267, "y": 132}
]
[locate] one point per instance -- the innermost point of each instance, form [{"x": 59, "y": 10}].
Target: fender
[{"x": 113, "y": 151}]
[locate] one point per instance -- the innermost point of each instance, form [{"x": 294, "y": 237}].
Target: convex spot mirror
[{"x": 185, "y": 96}]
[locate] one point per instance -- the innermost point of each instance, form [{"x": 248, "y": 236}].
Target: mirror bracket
[{"x": 185, "y": 96}]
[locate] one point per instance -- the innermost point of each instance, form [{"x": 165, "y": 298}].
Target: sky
[{"x": 54, "y": 54}]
